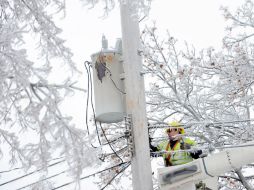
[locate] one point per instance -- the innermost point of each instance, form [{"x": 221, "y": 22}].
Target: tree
[
  {"x": 202, "y": 89},
  {"x": 205, "y": 90},
  {"x": 30, "y": 99},
  {"x": 197, "y": 89}
]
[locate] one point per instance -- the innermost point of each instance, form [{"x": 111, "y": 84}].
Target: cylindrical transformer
[{"x": 108, "y": 86}]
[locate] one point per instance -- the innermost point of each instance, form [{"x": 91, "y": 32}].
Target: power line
[
  {"x": 201, "y": 148},
  {"x": 41, "y": 180},
  {"x": 13, "y": 169},
  {"x": 88, "y": 69},
  {"x": 71, "y": 181},
  {"x": 128, "y": 163},
  {"x": 112, "y": 179},
  {"x": 66, "y": 184},
  {"x": 55, "y": 176},
  {"x": 87, "y": 99},
  {"x": 89, "y": 90},
  {"x": 115, "y": 140},
  {"x": 28, "y": 174},
  {"x": 110, "y": 143},
  {"x": 118, "y": 151},
  {"x": 19, "y": 168},
  {"x": 164, "y": 125}
]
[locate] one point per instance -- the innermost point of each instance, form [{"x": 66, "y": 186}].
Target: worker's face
[{"x": 172, "y": 132}]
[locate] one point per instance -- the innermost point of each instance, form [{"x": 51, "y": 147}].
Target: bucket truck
[{"x": 207, "y": 169}]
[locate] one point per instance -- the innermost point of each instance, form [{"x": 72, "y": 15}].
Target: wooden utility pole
[{"x": 135, "y": 99}]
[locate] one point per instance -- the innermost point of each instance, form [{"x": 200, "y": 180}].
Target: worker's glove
[
  {"x": 150, "y": 140},
  {"x": 152, "y": 148},
  {"x": 185, "y": 146},
  {"x": 196, "y": 154}
]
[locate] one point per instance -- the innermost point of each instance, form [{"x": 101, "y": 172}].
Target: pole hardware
[{"x": 129, "y": 134}]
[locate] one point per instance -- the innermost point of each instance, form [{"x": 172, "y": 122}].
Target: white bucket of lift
[{"x": 108, "y": 86}]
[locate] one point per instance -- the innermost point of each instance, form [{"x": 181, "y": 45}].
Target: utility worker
[{"x": 176, "y": 142}]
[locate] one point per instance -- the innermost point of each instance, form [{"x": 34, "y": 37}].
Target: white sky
[{"x": 199, "y": 22}]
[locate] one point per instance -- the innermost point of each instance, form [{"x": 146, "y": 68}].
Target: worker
[{"x": 176, "y": 142}]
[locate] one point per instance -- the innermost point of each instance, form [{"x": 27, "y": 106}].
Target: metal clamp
[{"x": 129, "y": 134}]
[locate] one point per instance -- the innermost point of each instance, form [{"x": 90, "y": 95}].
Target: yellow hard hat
[{"x": 175, "y": 124}]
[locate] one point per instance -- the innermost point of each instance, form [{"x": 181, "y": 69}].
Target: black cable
[
  {"x": 115, "y": 140},
  {"x": 110, "y": 143},
  {"x": 90, "y": 175},
  {"x": 6, "y": 171},
  {"x": 164, "y": 125},
  {"x": 115, "y": 176},
  {"x": 19, "y": 168},
  {"x": 89, "y": 96},
  {"x": 28, "y": 174},
  {"x": 120, "y": 150},
  {"x": 89, "y": 90},
  {"x": 42, "y": 180},
  {"x": 206, "y": 168},
  {"x": 87, "y": 99},
  {"x": 91, "y": 87},
  {"x": 69, "y": 182},
  {"x": 110, "y": 76}
]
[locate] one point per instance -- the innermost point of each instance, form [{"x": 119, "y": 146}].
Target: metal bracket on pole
[{"x": 129, "y": 134}]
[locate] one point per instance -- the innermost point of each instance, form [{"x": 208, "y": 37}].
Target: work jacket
[{"x": 176, "y": 158}]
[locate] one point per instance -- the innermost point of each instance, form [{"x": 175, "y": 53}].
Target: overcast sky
[{"x": 199, "y": 22}]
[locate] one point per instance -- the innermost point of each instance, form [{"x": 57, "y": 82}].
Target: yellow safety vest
[{"x": 177, "y": 158}]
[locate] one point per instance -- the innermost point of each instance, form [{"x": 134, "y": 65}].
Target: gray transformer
[{"x": 108, "y": 86}]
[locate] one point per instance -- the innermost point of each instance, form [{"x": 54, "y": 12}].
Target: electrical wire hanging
[
  {"x": 110, "y": 74},
  {"x": 91, "y": 88},
  {"x": 88, "y": 67},
  {"x": 89, "y": 96},
  {"x": 110, "y": 143},
  {"x": 115, "y": 140},
  {"x": 118, "y": 151},
  {"x": 114, "y": 177},
  {"x": 87, "y": 99}
]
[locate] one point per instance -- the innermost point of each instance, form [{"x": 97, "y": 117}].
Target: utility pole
[{"x": 135, "y": 99}]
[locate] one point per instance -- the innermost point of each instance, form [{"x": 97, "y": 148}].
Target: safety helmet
[{"x": 175, "y": 125}]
